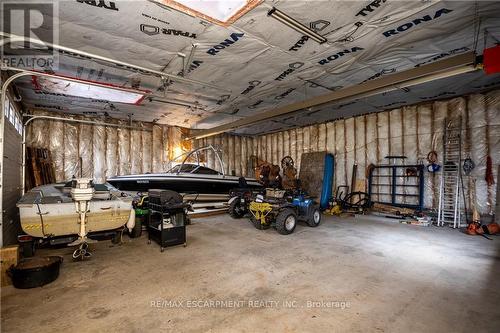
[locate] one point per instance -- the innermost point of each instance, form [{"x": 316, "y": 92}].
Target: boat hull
[
  {"x": 204, "y": 187},
  {"x": 61, "y": 219},
  {"x": 49, "y": 211}
]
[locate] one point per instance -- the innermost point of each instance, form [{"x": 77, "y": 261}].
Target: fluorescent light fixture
[
  {"x": 222, "y": 12},
  {"x": 296, "y": 25},
  {"x": 106, "y": 92}
]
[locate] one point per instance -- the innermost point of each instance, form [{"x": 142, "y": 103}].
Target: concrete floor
[{"x": 372, "y": 276}]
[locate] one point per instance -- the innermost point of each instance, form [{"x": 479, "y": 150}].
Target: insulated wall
[
  {"x": 103, "y": 151},
  {"x": 412, "y": 131},
  {"x": 235, "y": 151}
]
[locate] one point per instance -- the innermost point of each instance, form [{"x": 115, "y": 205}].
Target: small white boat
[{"x": 49, "y": 211}]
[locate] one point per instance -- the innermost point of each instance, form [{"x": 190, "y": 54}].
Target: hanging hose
[
  {"x": 468, "y": 166},
  {"x": 432, "y": 157},
  {"x": 349, "y": 201}
]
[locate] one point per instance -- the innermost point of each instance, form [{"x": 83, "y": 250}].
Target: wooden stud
[
  {"x": 389, "y": 131},
  {"x": 345, "y": 153},
  {"x": 402, "y": 112},
  {"x": 488, "y": 152},
  {"x": 377, "y": 137},
  {"x": 417, "y": 124},
  {"x": 365, "y": 144},
  {"x": 355, "y": 140},
  {"x": 433, "y": 177}
]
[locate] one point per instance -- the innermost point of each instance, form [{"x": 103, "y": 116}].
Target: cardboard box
[{"x": 9, "y": 256}]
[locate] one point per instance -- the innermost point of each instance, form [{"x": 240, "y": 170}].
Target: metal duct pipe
[
  {"x": 83, "y": 121},
  {"x": 185, "y": 68},
  {"x": 97, "y": 84},
  {"x": 10, "y": 38}
]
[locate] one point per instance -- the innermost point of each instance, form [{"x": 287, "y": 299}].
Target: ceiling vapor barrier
[{"x": 201, "y": 71}]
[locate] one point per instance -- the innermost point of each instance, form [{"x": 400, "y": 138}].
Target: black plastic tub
[{"x": 35, "y": 272}]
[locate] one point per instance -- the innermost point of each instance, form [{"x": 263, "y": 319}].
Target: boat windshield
[{"x": 193, "y": 168}]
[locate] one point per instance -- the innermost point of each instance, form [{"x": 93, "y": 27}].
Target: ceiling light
[
  {"x": 296, "y": 25},
  {"x": 222, "y": 12},
  {"x": 101, "y": 92}
]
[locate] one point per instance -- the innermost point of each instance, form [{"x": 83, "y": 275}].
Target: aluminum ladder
[{"x": 450, "y": 207}]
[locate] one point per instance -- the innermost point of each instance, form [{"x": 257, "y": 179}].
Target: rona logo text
[
  {"x": 234, "y": 37},
  {"x": 339, "y": 55},
  {"x": 415, "y": 22}
]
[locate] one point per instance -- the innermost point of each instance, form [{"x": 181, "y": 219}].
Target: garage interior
[{"x": 290, "y": 166}]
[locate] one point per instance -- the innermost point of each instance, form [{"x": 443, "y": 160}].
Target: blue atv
[{"x": 281, "y": 211}]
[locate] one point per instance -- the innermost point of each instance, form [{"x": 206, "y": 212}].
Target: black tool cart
[{"x": 167, "y": 218}]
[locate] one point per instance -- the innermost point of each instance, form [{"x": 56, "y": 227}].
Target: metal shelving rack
[{"x": 393, "y": 185}]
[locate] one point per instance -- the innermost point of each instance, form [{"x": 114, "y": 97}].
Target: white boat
[{"x": 49, "y": 211}]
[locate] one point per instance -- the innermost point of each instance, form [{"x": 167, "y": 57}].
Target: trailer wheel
[
  {"x": 314, "y": 218},
  {"x": 237, "y": 209},
  {"x": 117, "y": 238},
  {"x": 137, "y": 229},
  {"x": 286, "y": 221}
]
